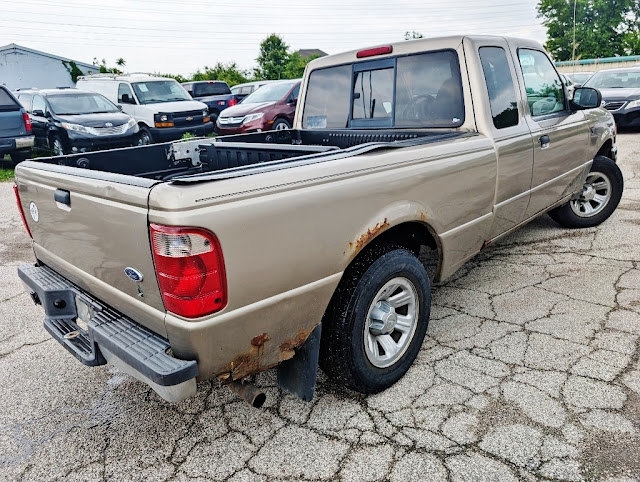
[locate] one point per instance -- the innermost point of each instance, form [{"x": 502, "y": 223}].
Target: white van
[{"x": 161, "y": 106}]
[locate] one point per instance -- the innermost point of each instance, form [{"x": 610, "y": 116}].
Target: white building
[{"x": 21, "y": 67}]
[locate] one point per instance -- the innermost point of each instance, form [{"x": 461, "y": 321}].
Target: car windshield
[
  {"x": 76, "y": 104},
  {"x": 580, "y": 78},
  {"x": 160, "y": 91},
  {"x": 269, "y": 93},
  {"x": 615, "y": 80}
]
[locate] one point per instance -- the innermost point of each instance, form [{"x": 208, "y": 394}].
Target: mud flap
[{"x": 298, "y": 375}]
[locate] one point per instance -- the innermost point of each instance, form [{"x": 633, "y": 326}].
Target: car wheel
[
  {"x": 377, "y": 320},
  {"x": 599, "y": 198},
  {"x": 144, "y": 137},
  {"x": 17, "y": 157},
  {"x": 57, "y": 146},
  {"x": 281, "y": 124}
]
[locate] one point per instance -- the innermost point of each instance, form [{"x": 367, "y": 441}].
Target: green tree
[
  {"x": 273, "y": 58},
  {"x": 103, "y": 68},
  {"x": 604, "y": 28},
  {"x": 412, "y": 35},
  {"x": 229, "y": 73},
  {"x": 294, "y": 68}
]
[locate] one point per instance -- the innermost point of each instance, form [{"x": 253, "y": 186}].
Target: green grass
[
  {"x": 6, "y": 174},
  {"x": 6, "y": 169}
]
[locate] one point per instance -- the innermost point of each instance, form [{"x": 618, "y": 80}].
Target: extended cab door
[
  {"x": 560, "y": 136},
  {"x": 499, "y": 115}
]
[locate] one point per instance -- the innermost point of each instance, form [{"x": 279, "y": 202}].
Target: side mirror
[
  {"x": 119, "y": 106},
  {"x": 38, "y": 113},
  {"x": 126, "y": 99},
  {"x": 585, "y": 98},
  {"x": 293, "y": 101}
]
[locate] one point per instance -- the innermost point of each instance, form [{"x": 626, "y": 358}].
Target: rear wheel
[
  {"x": 599, "y": 198},
  {"x": 375, "y": 326},
  {"x": 281, "y": 124},
  {"x": 17, "y": 157}
]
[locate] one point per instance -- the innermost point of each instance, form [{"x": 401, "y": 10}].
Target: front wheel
[
  {"x": 144, "y": 137},
  {"x": 378, "y": 319},
  {"x": 598, "y": 199},
  {"x": 281, "y": 124},
  {"x": 57, "y": 146}
]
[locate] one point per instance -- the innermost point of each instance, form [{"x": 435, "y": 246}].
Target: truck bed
[{"x": 197, "y": 159}]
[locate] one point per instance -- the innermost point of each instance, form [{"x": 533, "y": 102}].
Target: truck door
[
  {"x": 502, "y": 120},
  {"x": 560, "y": 136}
]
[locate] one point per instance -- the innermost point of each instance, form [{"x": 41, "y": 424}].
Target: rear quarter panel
[{"x": 288, "y": 235}]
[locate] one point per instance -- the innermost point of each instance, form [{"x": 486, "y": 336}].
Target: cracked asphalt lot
[{"x": 530, "y": 370}]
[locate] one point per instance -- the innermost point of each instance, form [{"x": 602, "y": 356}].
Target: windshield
[
  {"x": 160, "y": 91},
  {"x": 76, "y": 104},
  {"x": 580, "y": 78},
  {"x": 615, "y": 80},
  {"x": 269, "y": 93}
]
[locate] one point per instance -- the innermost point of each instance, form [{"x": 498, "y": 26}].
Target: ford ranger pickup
[{"x": 314, "y": 246}]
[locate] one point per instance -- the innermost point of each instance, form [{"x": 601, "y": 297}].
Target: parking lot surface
[{"x": 530, "y": 370}]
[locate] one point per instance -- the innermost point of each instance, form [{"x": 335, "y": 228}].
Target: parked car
[
  {"x": 279, "y": 248},
  {"x": 70, "y": 120},
  {"x": 271, "y": 107},
  {"x": 215, "y": 93},
  {"x": 16, "y": 136},
  {"x": 162, "y": 108},
  {"x": 579, "y": 78},
  {"x": 569, "y": 85},
  {"x": 243, "y": 90},
  {"x": 620, "y": 90}
]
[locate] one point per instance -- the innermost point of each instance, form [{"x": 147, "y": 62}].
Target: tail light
[
  {"x": 24, "y": 220},
  {"x": 233, "y": 101},
  {"x": 27, "y": 121},
  {"x": 190, "y": 270},
  {"x": 387, "y": 49}
]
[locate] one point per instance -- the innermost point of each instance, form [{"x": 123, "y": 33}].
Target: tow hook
[{"x": 249, "y": 393}]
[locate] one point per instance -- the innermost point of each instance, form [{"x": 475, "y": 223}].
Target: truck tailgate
[{"x": 90, "y": 227}]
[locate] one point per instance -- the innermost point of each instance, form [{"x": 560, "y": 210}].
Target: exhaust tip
[{"x": 259, "y": 400}]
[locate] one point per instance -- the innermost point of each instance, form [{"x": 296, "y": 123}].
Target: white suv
[{"x": 161, "y": 106}]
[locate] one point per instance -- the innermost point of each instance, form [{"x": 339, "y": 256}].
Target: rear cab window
[
  {"x": 500, "y": 87},
  {"x": 7, "y": 102},
  {"x": 419, "y": 91}
]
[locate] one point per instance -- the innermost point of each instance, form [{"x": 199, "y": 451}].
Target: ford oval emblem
[{"x": 133, "y": 274}]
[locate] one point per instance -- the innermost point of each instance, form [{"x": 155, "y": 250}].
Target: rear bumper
[
  {"x": 108, "y": 336},
  {"x": 12, "y": 144}
]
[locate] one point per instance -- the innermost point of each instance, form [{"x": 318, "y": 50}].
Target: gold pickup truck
[{"x": 317, "y": 245}]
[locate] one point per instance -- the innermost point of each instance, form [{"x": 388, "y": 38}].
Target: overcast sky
[{"x": 180, "y": 37}]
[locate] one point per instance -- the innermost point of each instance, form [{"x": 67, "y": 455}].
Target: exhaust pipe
[{"x": 249, "y": 393}]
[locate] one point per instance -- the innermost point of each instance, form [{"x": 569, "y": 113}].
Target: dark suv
[
  {"x": 215, "y": 93},
  {"x": 70, "y": 120},
  {"x": 16, "y": 138}
]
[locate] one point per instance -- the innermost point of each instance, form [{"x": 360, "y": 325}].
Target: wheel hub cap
[
  {"x": 383, "y": 318},
  {"x": 588, "y": 193}
]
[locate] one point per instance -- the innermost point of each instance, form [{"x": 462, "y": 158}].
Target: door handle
[
  {"x": 62, "y": 196},
  {"x": 544, "y": 141}
]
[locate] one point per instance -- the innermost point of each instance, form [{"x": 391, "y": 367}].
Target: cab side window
[
  {"x": 545, "y": 94},
  {"x": 125, "y": 95},
  {"x": 39, "y": 104},
  {"x": 27, "y": 101},
  {"x": 502, "y": 94}
]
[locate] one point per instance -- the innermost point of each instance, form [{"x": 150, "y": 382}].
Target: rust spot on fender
[
  {"x": 288, "y": 347},
  {"x": 368, "y": 236},
  {"x": 260, "y": 340},
  {"x": 423, "y": 217}
]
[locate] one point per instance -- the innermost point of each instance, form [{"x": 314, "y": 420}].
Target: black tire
[
  {"x": 144, "y": 136},
  {"x": 17, "y": 157},
  {"x": 58, "y": 146},
  {"x": 281, "y": 124},
  {"x": 343, "y": 354},
  {"x": 599, "y": 198}
]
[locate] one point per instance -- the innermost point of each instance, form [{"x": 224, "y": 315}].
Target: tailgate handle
[{"x": 62, "y": 196}]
